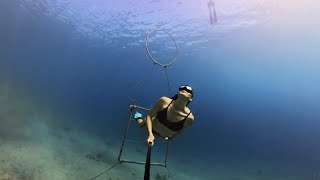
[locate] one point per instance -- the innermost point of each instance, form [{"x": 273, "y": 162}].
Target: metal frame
[
  {"x": 124, "y": 139},
  {"x": 120, "y": 160}
]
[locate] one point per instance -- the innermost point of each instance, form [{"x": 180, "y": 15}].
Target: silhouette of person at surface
[{"x": 213, "y": 15}]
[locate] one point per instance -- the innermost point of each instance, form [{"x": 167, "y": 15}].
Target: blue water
[{"x": 256, "y": 73}]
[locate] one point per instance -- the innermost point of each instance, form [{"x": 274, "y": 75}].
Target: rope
[
  {"x": 170, "y": 176},
  {"x": 106, "y": 170},
  {"x": 156, "y": 62},
  {"x": 168, "y": 80}
]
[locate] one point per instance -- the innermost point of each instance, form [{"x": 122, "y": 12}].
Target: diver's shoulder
[
  {"x": 190, "y": 113},
  {"x": 190, "y": 119},
  {"x": 165, "y": 99}
]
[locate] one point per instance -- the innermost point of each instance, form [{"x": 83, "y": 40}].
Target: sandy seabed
[
  {"x": 65, "y": 154},
  {"x": 32, "y": 148}
]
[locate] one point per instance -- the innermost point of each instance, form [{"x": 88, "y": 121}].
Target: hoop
[{"x": 153, "y": 59}]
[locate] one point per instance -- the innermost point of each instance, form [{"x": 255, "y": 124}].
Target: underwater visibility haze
[{"x": 70, "y": 69}]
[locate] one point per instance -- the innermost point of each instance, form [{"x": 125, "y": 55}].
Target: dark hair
[{"x": 175, "y": 97}]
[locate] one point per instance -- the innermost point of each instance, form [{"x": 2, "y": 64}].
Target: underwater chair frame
[{"x": 120, "y": 160}]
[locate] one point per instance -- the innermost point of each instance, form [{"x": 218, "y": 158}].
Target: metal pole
[{"x": 125, "y": 134}]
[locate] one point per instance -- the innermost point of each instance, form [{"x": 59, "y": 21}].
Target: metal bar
[
  {"x": 131, "y": 141},
  {"x": 138, "y": 107},
  {"x": 132, "y": 107},
  {"x": 125, "y": 135},
  {"x": 141, "y": 162}
]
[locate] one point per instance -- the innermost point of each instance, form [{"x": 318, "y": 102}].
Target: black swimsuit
[{"x": 163, "y": 119}]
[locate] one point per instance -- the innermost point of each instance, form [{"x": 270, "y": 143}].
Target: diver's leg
[{"x": 139, "y": 120}]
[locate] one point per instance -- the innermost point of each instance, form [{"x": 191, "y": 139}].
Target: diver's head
[
  {"x": 186, "y": 89},
  {"x": 185, "y": 93}
]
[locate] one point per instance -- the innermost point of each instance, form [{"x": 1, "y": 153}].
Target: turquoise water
[{"x": 255, "y": 74}]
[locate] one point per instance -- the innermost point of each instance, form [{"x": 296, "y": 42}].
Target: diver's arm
[
  {"x": 149, "y": 124},
  {"x": 152, "y": 113}
]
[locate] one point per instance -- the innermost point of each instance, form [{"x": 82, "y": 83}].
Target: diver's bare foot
[{"x": 140, "y": 122}]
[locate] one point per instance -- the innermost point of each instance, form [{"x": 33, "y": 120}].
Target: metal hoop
[{"x": 154, "y": 60}]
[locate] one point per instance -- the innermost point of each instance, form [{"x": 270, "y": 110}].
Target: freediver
[
  {"x": 168, "y": 117},
  {"x": 212, "y": 11}
]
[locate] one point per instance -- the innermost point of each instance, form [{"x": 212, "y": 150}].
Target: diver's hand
[{"x": 150, "y": 140}]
